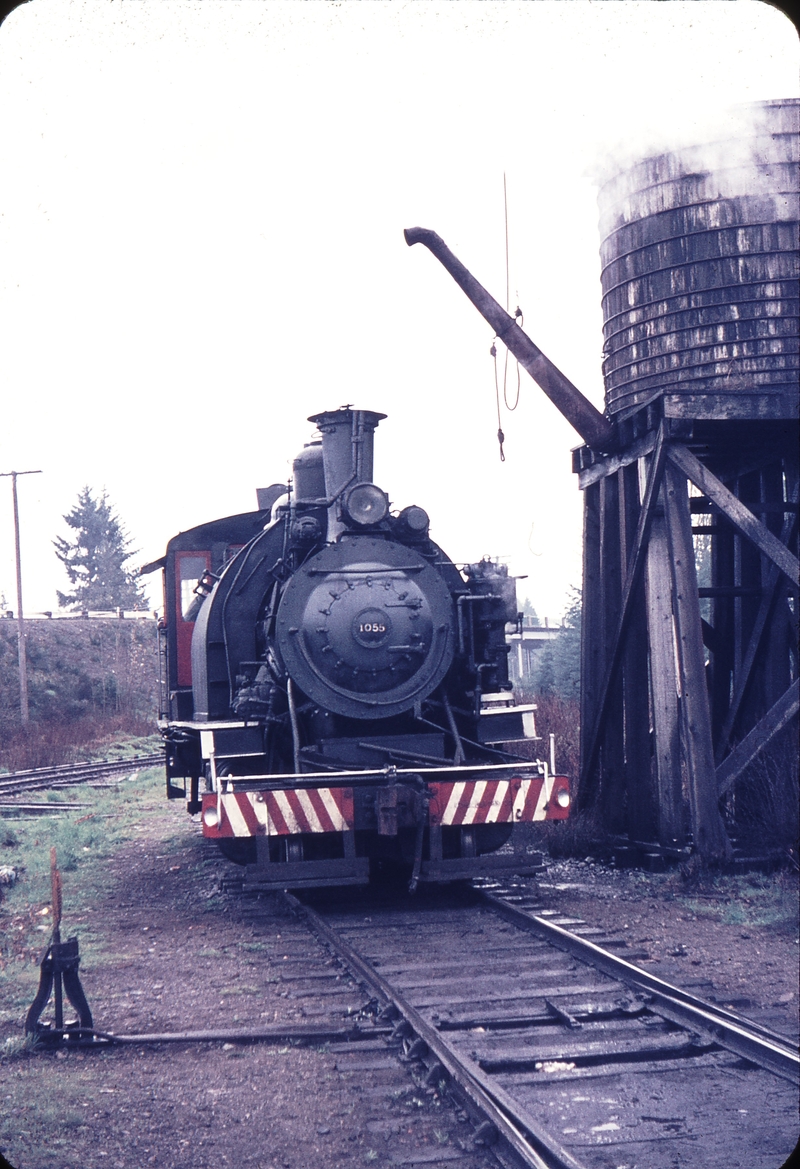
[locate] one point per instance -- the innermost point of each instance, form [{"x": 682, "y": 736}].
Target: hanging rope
[
  {"x": 511, "y": 409},
  {"x": 501, "y": 438},
  {"x": 517, "y": 314}
]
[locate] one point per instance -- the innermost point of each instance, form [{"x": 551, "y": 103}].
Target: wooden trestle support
[{"x": 689, "y": 654}]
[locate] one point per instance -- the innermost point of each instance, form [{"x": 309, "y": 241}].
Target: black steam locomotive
[{"x": 336, "y": 695}]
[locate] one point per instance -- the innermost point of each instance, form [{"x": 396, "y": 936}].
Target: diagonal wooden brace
[
  {"x": 739, "y": 515},
  {"x": 776, "y": 718},
  {"x": 770, "y": 593}
]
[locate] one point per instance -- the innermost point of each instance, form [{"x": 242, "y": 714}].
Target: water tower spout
[{"x": 596, "y": 430}]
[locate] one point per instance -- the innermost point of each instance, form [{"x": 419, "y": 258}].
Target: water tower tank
[{"x": 700, "y": 266}]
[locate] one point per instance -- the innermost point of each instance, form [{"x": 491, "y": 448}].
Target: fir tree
[
  {"x": 529, "y": 612},
  {"x": 567, "y": 650},
  {"x": 95, "y": 559},
  {"x": 559, "y": 666}
]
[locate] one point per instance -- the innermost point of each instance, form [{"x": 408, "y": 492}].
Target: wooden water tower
[{"x": 690, "y": 667}]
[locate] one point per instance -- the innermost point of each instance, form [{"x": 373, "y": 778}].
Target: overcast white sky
[{"x": 201, "y": 215}]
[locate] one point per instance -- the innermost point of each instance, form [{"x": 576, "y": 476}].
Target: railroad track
[
  {"x": 46, "y": 778},
  {"x": 566, "y": 1055}
]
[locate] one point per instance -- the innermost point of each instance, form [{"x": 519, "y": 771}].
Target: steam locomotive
[{"x": 335, "y": 691}]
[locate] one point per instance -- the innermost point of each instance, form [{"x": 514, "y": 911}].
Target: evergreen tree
[
  {"x": 567, "y": 650},
  {"x": 545, "y": 675},
  {"x": 529, "y": 612},
  {"x": 559, "y": 666},
  {"x": 95, "y": 558}
]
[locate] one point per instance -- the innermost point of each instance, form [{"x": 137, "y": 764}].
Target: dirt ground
[{"x": 164, "y": 949}]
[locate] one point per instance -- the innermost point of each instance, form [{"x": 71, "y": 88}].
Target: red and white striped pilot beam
[
  {"x": 278, "y": 813},
  {"x": 500, "y": 801},
  {"x": 327, "y": 809}
]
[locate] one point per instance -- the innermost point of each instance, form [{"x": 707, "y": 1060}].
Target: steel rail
[
  {"x": 758, "y": 1044},
  {"x": 516, "y": 1124},
  {"x": 46, "y": 777}
]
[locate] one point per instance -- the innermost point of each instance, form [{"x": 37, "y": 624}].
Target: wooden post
[
  {"x": 637, "y": 762},
  {"x": 612, "y": 781},
  {"x": 21, "y": 651},
  {"x": 710, "y": 839},
  {"x": 722, "y": 617},
  {"x": 776, "y": 660},
  {"x": 591, "y": 680},
  {"x": 664, "y": 684}
]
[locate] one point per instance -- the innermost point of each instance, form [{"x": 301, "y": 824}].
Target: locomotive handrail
[
  {"x": 390, "y": 773},
  {"x": 596, "y": 430},
  {"x": 365, "y": 571},
  {"x": 464, "y": 599}
]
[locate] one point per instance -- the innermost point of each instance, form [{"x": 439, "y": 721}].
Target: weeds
[
  {"x": 8, "y": 835},
  {"x": 751, "y": 899},
  {"x": 578, "y": 836},
  {"x": 55, "y": 742},
  {"x": 762, "y": 810},
  {"x": 18, "y": 1045}
]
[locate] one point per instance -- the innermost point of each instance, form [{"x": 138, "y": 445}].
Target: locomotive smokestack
[
  {"x": 347, "y": 446},
  {"x": 590, "y": 424}
]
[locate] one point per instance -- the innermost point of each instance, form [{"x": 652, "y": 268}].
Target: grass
[
  {"x": 8, "y": 837},
  {"x": 17, "y": 1045},
  {"x": 754, "y": 899},
  {"x": 85, "y": 840}
]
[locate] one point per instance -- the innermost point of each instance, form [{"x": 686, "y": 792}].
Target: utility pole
[{"x": 23, "y": 660}]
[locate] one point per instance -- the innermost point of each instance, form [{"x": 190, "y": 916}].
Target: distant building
[{"x": 527, "y": 647}]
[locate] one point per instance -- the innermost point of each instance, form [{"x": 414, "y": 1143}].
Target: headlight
[
  {"x": 210, "y": 817},
  {"x": 365, "y": 504},
  {"x": 562, "y": 797}
]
